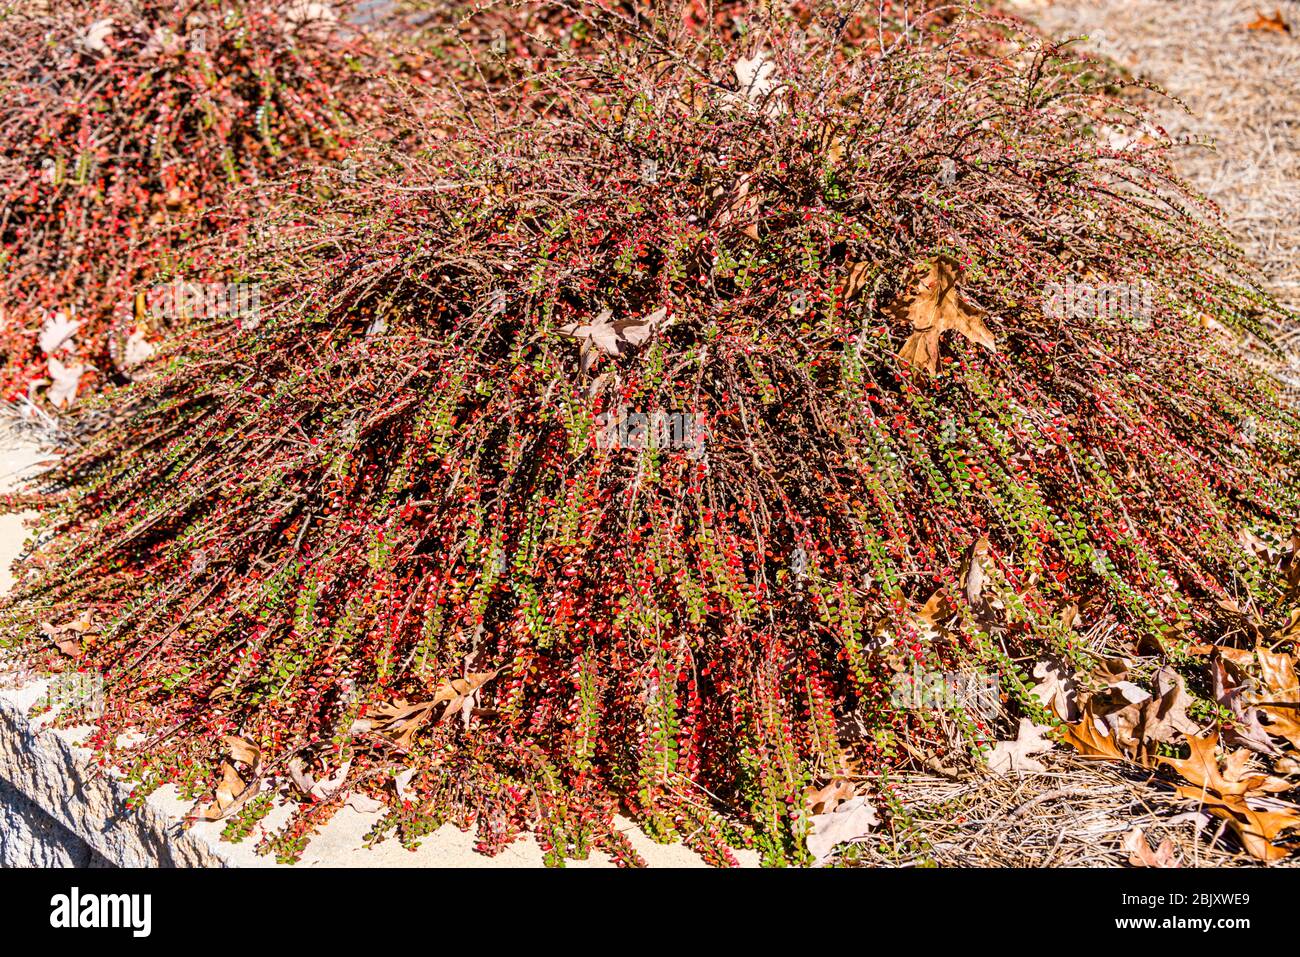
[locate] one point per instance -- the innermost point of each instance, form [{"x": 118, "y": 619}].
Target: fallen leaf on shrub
[
  {"x": 741, "y": 206},
  {"x": 935, "y": 308},
  {"x": 1056, "y": 689},
  {"x": 69, "y": 645},
  {"x": 231, "y": 794},
  {"x": 401, "y": 720},
  {"x": 1274, "y": 23},
  {"x": 1015, "y": 755},
  {"x": 137, "y": 350},
  {"x": 973, "y": 573},
  {"x": 67, "y": 636},
  {"x": 95, "y": 35},
  {"x": 462, "y": 693},
  {"x": 612, "y": 338},
  {"x": 822, "y": 800},
  {"x": 755, "y": 75},
  {"x": 851, "y": 820},
  {"x": 859, "y": 274},
  {"x": 1141, "y": 855},
  {"x": 243, "y": 751},
  {"x": 1291, "y": 568},
  {"x": 300, "y": 776},
  {"x": 64, "y": 380},
  {"x": 57, "y": 331},
  {"x": 402, "y": 784},
  {"x": 756, "y": 79}
]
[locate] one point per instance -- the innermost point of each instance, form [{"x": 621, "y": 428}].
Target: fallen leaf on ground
[
  {"x": 1165, "y": 716},
  {"x": 364, "y": 803},
  {"x": 936, "y": 307},
  {"x": 1056, "y": 689},
  {"x": 851, "y": 820},
  {"x": 1281, "y": 688},
  {"x": 1015, "y": 755},
  {"x": 1225, "y": 795},
  {"x": 1092, "y": 741},
  {"x": 1274, "y": 23},
  {"x": 1141, "y": 855},
  {"x": 1229, "y": 684},
  {"x": 1201, "y": 768}
]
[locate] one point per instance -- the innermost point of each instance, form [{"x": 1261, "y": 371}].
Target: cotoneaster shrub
[
  {"x": 391, "y": 538},
  {"x": 128, "y": 129}
]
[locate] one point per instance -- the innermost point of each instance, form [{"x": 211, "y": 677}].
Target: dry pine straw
[{"x": 1076, "y": 814}]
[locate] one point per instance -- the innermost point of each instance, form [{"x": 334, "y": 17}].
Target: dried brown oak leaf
[
  {"x": 1016, "y": 755},
  {"x": 935, "y": 307},
  {"x": 1092, "y": 739},
  {"x": 1281, "y": 706},
  {"x": 1229, "y": 683},
  {"x": 1275, "y": 23},
  {"x": 1141, "y": 855},
  {"x": 1225, "y": 795},
  {"x": 740, "y": 207},
  {"x": 851, "y": 820},
  {"x": 67, "y": 636},
  {"x": 400, "y": 720},
  {"x": 1056, "y": 689},
  {"x": 824, "y": 799},
  {"x": 613, "y": 337},
  {"x": 233, "y": 791}
]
